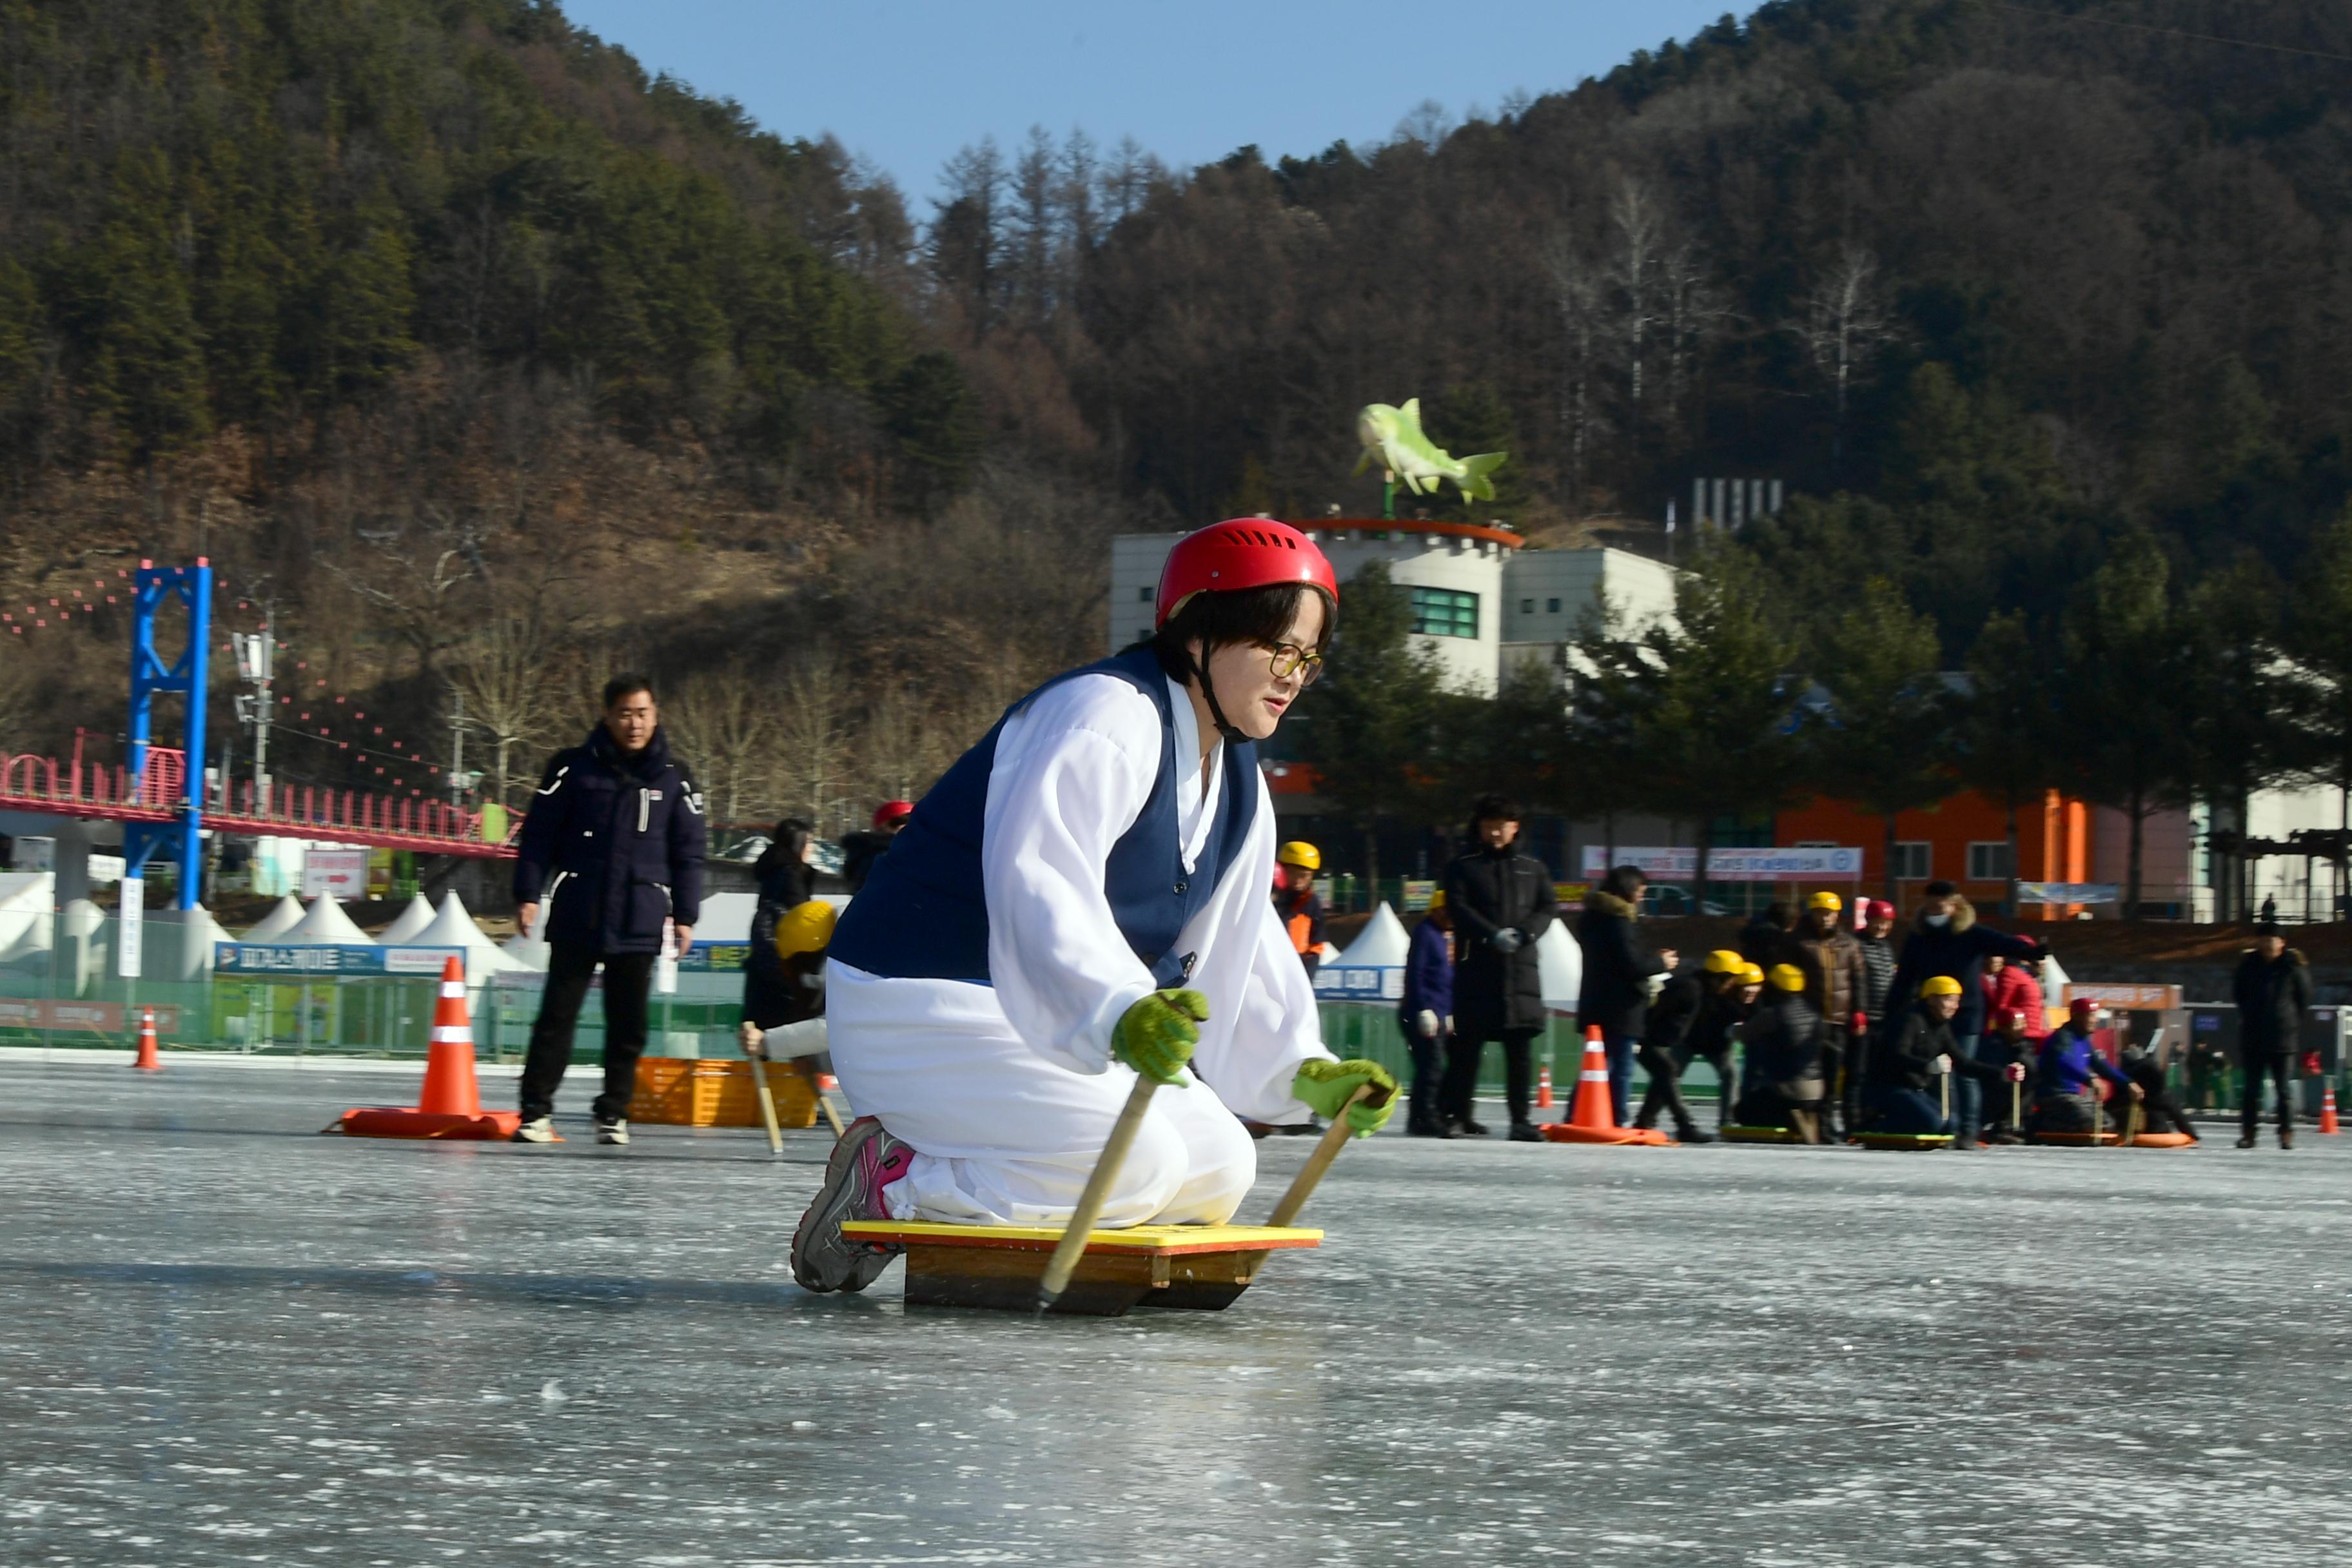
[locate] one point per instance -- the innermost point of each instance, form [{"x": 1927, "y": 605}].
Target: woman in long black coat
[
  {"x": 1501, "y": 901},
  {"x": 772, "y": 996},
  {"x": 1618, "y": 965}
]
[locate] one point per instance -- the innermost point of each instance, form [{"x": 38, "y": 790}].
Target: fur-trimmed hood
[
  {"x": 2294, "y": 954},
  {"x": 1605, "y": 903},
  {"x": 1964, "y": 915}
]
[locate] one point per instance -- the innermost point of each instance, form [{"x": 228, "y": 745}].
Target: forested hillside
[{"x": 492, "y": 361}]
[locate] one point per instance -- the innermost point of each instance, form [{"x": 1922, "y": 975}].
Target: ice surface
[{"x": 226, "y": 1339}]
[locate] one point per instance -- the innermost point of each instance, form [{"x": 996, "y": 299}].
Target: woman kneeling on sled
[{"x": 1081, "y": 899}]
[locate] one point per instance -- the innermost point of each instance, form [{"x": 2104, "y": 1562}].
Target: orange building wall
[{"x": 2052, "y": 841}]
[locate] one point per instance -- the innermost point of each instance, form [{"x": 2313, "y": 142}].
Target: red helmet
[
  {"x": 2082, "y": 1007},
  {"x": 1242, "y": 553},
  {"x": 1880, "y": 910},
  {"x": 891, "y": 811}
]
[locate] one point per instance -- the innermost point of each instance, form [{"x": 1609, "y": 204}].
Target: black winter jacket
[
  {"x": 1901, "y": 1061},
  {"x": 1486, "y": 892},
  {"x": 1672, "y": 1013},
  {"x": 614, "y": 845},
  {"x": 2273, "y": 995},
  {"x": 1720, "y": 1013},
  {"x": 1617, "y": 966},
  {"x": 770, "y": 995},
  {"x": 1783, "y": 1040},
  {"x": 1957, "y": 948}
]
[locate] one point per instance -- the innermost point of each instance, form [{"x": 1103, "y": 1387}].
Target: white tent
[
  {"x": 528, "y": 948},
  {"x": 327, "y": 926},
  {"x": 25, "y": 928},
  {"x": 414, "y": 919},
  {"x": 179, "y": 943},
  {"x": 283, "y": 918},
  {"x": 1381, "y": 944},
  {"x": 453, "y": 927},
  {"x": 1560, "y": 962},
  {"x": 2055, "y": 981}
]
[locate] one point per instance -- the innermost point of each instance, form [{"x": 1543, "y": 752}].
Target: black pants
[
  {"x": 1427, "y": 1106},
  {"x": 2281, "y": 1066},
  {"x": 628, "y": 979},
  {"x": 1666, "y": 1091},
  {"x": 1726, "y": 1076},
  {"x": 1463, "y": 1054}
]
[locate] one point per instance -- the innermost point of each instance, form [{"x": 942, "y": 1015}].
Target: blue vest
[{"x": 923, "y": 914}]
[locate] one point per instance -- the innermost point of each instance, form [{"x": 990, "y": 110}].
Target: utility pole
[
  {"x": 456, "y": 748},
  {"x": 257, "y": 663}
]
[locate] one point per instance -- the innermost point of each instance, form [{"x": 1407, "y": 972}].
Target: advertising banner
[
  {"x": 298, "y": 962},
  {"x": 1808, "y": 863},
  {"x": 339, "y": 874},
  {"x": 104, "y": 1017},
  {"x": 2069, "y": 893}
]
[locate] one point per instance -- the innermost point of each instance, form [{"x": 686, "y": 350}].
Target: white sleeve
[
  {"x": 1262, "y": 1017},
  {"x": 1071, "y": 775}
]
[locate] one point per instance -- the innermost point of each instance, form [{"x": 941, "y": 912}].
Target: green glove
[
  {"x": 1156, "y": 1035},
  {"x": 1324, "y": 1087}
]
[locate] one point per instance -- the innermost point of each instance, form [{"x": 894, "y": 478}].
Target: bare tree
[
  {"x": 727, "y": 724},
  {"x": 506, "y": 674},
  {"x": 1576, "y": 299},
  {"x": 1638, "y": 246},
  {"x": 812, "y": 735},
  {"x": 1845, "y": 326}
]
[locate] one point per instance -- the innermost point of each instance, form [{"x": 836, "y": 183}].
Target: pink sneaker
[{"x": 866, "y": 1161}]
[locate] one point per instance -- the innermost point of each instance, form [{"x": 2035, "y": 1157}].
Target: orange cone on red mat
[
  {"x": 2327, "y": 1110},
  {"x": 1543, "y": 1087},
  {"x": 1590, "y": 1119},
  {"x": 148, "y": 1061},
  {"x": 451, "y": 1103}
]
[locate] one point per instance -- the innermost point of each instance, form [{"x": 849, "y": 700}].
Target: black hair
[
  {"x": 1216, "y": 620},
  {"x": 1625, "y": 882},
  {"x": 1939, "y": 888},
  {"x": 622, "y": 686},
  {"x": 1495, "y": 808},
  {"x": 786, "y": 846},
  {"x": 1780, "y": 913}
]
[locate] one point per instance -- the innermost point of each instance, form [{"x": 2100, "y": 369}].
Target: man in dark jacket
[
  {"x": 1733, "y": 986},
  {"x": 1918, "y": 1049},
  {"x": 1500, "y": 901},
  {"x": 1425, "y": 1014},
  {"x": 1664, "y": 1030},
  {"x": 2272, "y": 990},
  {"x": 614, "y": 843},
  {"x": 1946, "y": 941},
  {"x": 1618, "y": 965}
]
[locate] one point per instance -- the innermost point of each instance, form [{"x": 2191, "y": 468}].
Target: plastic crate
[{"x": 677, "y": 1092}]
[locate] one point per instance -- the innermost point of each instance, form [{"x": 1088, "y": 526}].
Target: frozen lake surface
[{"x": 224, "y": 1340}]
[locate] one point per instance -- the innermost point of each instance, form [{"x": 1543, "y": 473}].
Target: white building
[{"x": 1482, "y": 599}]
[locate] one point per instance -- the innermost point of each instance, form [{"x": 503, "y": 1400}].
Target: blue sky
[{"x": 909, "y": 81}]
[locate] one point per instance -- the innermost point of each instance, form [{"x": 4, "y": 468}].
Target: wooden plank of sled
[
  {"x": 1200, "y": 1268},
  {"x": 1898, "y": 1141},
  {"x": 2077, "y": 1140},
  {"x": 1761, "y": 1135}
]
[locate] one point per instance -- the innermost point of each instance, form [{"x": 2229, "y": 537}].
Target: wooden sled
[
  {"x": 1761, "y": 1135},
  {"x": 2076, "y": 1140},
  {"x": 1916, "y": 1142},
  {"x": 1194, "y": 1268}
]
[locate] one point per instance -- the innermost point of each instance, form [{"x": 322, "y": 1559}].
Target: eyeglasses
[{"x": 1288, "y": 658}]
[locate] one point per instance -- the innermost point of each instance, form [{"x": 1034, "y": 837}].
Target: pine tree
[{"x": 1884, "y": 738}]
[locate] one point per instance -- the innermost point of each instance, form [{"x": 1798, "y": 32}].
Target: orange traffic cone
[
  {"x": 2327, "y": 1110},
  {"x": 1590, "y": 1119},
  {"x": 451, "y": 1103},
  {"x": 1543, "y": 1087},
  {"x": 148, "y": 1061}
]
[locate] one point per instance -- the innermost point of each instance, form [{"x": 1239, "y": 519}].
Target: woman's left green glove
[{"x": 1326, "y": 1088}]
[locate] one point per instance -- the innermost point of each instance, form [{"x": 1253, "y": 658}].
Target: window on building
[
  {"x": 1526, "y": 606},
  {"x": 1552, "y": 606},
  {"x": 1143, "y": 595},
  {"x": 1914, "y": 862},
  {"x": 1989, "y": 862},
  {"x": 1445, "y": 613}
]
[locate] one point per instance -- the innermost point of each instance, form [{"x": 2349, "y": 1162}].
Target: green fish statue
[{"x": 1395, "y": 436}]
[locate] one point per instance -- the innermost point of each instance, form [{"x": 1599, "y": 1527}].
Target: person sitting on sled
[{"x": 1081, "y": 899}]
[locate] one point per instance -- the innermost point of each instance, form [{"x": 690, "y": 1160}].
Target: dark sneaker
[
  {"x": 2286, "y": 1137},
  {"x": 1694, "y": 1135},
  {"x": 865, "y": 1160},
  {"x": 2247, "y": 1142},
  {"x": 615, "y": 1131},
  {"x": 1525, "y": 1133},
  {"x": 1468, "y": 1128},
  {"x": 539, "y": 1130}
]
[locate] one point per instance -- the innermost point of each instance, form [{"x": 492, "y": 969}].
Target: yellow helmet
[
  {"x": 1939, "y": 985},
  {"x": 1299, "y": 852},
  {"x": 1437, "y": 901},
  {"x": 805, "y": 927},
  {"x": 1750, "y": 975},
  {"x": 1825, "y": 900},
  {"x": 1788, "y": 977},
  {"x": 1723, "y": 961}
]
